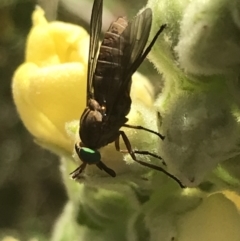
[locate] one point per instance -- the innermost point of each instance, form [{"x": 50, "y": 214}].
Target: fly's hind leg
[{"x": 132, "y": 154}]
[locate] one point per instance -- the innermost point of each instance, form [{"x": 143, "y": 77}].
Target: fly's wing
[
  {"x": 135, "y": 38},
  {"x": 107, "y": 79},
  {"x": 95, "y": 31}
]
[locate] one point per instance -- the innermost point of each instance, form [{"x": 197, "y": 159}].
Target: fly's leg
[
  {"x": 145, "y": 129},
  {"x": 77, "y": 172},
  {"x": 109, "y": 171},
  {"x": 132, "y": 154},
  {"x": 147, "y": 153}
]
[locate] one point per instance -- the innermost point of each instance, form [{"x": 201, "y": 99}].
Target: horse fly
[{"x": 108, "y": 87}]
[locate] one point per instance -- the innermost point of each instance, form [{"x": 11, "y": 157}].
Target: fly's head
[{"x": 87, "y": 155}]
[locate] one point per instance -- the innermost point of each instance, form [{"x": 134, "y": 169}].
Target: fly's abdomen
[
  {"x": 112, "y": 47},
  {"x": 108, "y": 72}
]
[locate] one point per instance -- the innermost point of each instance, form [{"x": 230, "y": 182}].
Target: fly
[{"x": 109, "y": 81}]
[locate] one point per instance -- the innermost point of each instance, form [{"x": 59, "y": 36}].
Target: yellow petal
[
  {"x": 9, "y": 238},
  {"x": 40, "y": 46},
  {"x": 216, "y": 219},
  {"x": 49, "y": 89},
  {"x": 234, "y": 197},
  {"x": 55, "y": 42},
  {"x": 71, "y": 42},
  {"x": 47, "y": 98},
  {"x": 142, "y": 90}
]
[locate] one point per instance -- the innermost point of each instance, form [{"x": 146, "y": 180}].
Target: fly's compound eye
[{"x": 88, "y": 155}]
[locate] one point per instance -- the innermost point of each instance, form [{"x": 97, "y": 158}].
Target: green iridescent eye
[{"x": 89, "y": 156}]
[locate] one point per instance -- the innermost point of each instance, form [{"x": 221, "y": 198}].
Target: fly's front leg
[
  {"x": 77, "y": 172},
  {"x": 102, "y": 166},
  {"x": 145, "y": 129},
  {"x": 132, "y": 154}
]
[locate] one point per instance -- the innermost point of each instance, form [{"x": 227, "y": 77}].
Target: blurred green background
[{"x": 32, "y": 194}]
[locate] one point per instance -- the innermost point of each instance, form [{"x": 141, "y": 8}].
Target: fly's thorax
[
  {"x": 93, "y": 105},
  {"x": 88, "y": 155},
  {"x": 123, "y": 106},
  {"x": 97, "y": 130},
  {"x": 90, "y": 124},
  {"x": 90, "y": 128}
]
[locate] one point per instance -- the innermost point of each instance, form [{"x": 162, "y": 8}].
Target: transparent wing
[
  {"x": 107, "y": 78},
  {"x": 135, "y": 39},
  {"x": 95, "y": 31},
  {"x": 136, "y": 36},
  {"x": 131, "y": 44}
]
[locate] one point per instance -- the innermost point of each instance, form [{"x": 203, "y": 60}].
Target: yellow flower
[
  {"x": 9, "y": 238},
  {"x": 49, "y": 88},
  {"x": 216, "y": 218}
]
